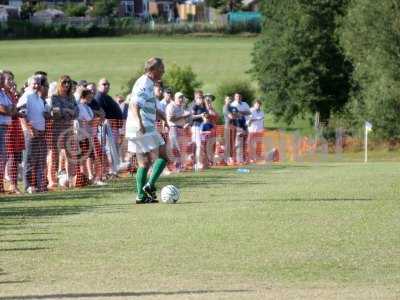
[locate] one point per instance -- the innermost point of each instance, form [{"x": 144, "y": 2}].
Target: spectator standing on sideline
[
  {"x": 64, "y": 110},
  {"x": 99, "y": 154},
  {"x": 123, "y": 105},
  {"x": 256, "y": 130},
  {"x": 111, "y": 126},
  {"x": 240, "y": 110},
  {"x": 81, "y": 85},
  {"x": 91, "y": 86},
  {"x": 178, "y": 121},
  {"x": 158, "y": 93},
  {"x": 85, "y": 136},
  {"x": 166, "y": 99},
  {"x": 15, "y": 143},
  {"x": 207, "y": 148},
  {"x": 199, "y": 110},
  {"x": 213, "y": 118},
  {"x": 229, "y": 138},
  {"x": 7, "y": 111},
  {"x": 34, "y": 109},
  {"x": 143, "y": 138}
]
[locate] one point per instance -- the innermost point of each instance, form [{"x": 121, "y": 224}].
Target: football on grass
[{"x": 169, "y": 194}]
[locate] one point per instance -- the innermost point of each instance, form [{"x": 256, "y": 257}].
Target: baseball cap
[
  {"x": 210, "y": 96},
  {"x": 178, "y": 95}
]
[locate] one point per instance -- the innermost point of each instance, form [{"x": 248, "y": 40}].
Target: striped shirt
[{"x": 143, "y": 96}]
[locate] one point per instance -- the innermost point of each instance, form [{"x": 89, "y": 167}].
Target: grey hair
[
  {"x": 39, "y": 79},
  {"x": 153, "y": 64},
  {"x": 32, "y": 80}
]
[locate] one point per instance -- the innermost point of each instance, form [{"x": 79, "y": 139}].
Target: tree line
[{"x": 338, "y": 59}]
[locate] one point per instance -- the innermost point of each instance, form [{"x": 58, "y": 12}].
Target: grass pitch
[
  {"x": 214, "y": 59},
  {"x": 290, "y": 231}
]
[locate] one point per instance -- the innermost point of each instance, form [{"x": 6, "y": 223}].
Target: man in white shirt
[
  {"x": 256, "y": 131},
  {"x": 34, "y": 108},
  {"x": 143, "y": 138},
  {"x": 177, "y": 119}
]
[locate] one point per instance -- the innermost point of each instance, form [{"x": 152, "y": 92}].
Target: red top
[{"x": 14, "y": 137}]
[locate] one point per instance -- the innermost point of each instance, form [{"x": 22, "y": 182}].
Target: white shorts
[
  {"x": 145, "y": 143},
  {"x": 196, "y": 133}
]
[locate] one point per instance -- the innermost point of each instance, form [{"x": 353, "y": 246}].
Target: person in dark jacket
[{"x": 112, "y": 125}]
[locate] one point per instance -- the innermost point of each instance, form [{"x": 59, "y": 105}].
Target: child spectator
[
  {"x": 85, "y": 134},
  {"x": 207, "y": 148}
]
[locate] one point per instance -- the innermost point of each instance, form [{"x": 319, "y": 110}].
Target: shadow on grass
[
  {"x": 73, "y": 194},
  {"x": 122, "y": 294},
  {"x": 40, "y": 212},
  {"x": 29, "y": 233},
  {"x": 24, "y": 249},
  {"x": 310, "y": 200},
  {"x": 13, "y": 281},
  {"x": 26, "y": 240},
  {"x": 212, "y": 178}
]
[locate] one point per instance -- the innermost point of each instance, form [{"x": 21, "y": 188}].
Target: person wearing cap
[
  {"x": 178, "y": 120},
  {"x": 143, "y": 138}
]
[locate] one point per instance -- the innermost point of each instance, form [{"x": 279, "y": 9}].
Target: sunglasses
[
  {"x": 66, "y": 82},
  {"x": 105, "y": 84}
]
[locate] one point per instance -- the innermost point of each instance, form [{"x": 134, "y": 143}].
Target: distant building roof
[
  {"x": 249, "y": 2},
  {"x": 49, "y": 13}
]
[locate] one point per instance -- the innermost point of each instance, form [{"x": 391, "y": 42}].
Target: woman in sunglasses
[{"x": 64, "y": 110}]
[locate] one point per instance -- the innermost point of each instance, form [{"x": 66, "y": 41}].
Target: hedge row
[{"x": 19, "y": 29}]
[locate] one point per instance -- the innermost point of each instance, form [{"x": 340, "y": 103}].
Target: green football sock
[
  {"x": 141, "y": 177},
  {"x": 158, "y": 168}
]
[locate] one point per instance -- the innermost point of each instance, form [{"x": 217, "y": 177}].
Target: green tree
[
  {"x": 127, "y": 87},
  {"x": 182, "y": 79},
  {"x": 179, "y": 79},
  {"x": 229, "y": 88},
  {"x": 298, "y": 62},
  {"x": 371, "y": 38},
  {"x": 225, "y": 5},
  {"x": 28, "y": 8},
  {"x": 105, "y": 8},
  {"x": 75, "y": 10}
]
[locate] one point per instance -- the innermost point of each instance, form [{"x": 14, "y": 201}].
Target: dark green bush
[
  {"x": 75, "y": 10},
  {"x": 182, "y": 79},
  {"x": 127, "y": 87},
  {"x": 21, "y": 29},
  {"x": 229, "y": 88}
]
